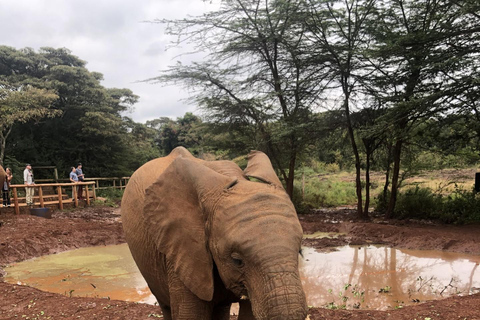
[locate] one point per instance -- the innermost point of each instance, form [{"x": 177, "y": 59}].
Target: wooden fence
[
  {"x": 57, "y": 196},
  {"x": 100, "y": 183}
]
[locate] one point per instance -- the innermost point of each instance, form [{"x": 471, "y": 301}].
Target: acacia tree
[
  {"x": 21, "y": 104},
  {"x": 338, "y": 32},
  {"x": 256, "y": 74},
  {"x": 425, "y": 52}
]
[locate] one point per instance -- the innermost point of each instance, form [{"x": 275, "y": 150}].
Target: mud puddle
[
  {"x": 381, "y": 278},
  {"x": 102, "y": 272},
  {"x": 368, "y": 277}
]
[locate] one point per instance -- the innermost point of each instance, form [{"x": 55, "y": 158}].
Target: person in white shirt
[{"x": 29, "y": 181}]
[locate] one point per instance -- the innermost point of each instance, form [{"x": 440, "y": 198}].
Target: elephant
[
  {"x": 205, "y": 234},
  {"x": 3, "y": 176}
]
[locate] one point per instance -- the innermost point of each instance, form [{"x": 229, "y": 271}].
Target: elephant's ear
[
  {"x": 260, "y": 167},
  {"x": 174, "y": 218}
]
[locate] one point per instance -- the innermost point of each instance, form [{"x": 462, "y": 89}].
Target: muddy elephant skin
[
  {"x": 205, "y": 234},
  {"x": 3, "y": 176}
]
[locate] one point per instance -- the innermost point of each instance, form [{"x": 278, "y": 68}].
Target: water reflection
[
  {"x": 320, "y": 235},
  {"x": 381, "y": 278},
  {"x": 354, "y": 277}
]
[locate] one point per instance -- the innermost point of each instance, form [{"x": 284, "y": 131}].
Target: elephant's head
[{"x": 206, "y": 213}]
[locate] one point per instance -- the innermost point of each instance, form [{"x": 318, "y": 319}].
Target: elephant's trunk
[{"x": 282, "y": 298}]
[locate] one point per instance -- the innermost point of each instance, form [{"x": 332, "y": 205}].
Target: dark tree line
[{"x": 56, "y": 112}]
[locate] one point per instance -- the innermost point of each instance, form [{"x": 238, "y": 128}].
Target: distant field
[{"x": 338, "y": 189}]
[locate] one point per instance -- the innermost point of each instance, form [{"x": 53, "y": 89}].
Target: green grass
[{"x": 444, "y": 195}]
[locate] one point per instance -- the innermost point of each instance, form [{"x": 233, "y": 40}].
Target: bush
[
  {"x": 420, "y": 203},
  {"x": 460, "y": 207},
  {"x": 110, "y": 193}
]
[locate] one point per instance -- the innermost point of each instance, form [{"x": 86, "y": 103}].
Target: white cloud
[{"x": 112, "y": 37}]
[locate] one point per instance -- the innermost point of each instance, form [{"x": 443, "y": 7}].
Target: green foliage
[
  {"x": 417, "y": 202},
  {"x": 321, "y": 192},
  {"x": 111, "y": 193},
  {"x": 91, "y": 128},
  {"x": 461, "y": 206}
]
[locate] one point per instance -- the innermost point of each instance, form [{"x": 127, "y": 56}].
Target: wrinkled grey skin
[{"x": 204, "y": 236}]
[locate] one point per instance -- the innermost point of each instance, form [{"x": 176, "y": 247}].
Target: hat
[
  {"x": 28, "y": 164},
  {"x": 79, "y": 164}
]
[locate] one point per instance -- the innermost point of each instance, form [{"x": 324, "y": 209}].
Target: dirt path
[{"x": 23, "y": 237}]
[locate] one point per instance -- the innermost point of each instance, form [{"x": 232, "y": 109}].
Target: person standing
[
  {"x": 73, "y": 175},
  {"x": 6, "y": 187},
  {"x": 30, "y": 182},
  {"x": 80, "y": 176},
  {"x": 73, "y": 179}
]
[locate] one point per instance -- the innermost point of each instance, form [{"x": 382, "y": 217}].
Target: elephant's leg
[
  {"x": 184, "y": 305},
  {"x": 245, "y": 312},
  {"x": 167, "y": 314},
  {"x": 221, "y": 312}
]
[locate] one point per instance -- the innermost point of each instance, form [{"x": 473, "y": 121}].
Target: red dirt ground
[{"x": 23, "y": 237}]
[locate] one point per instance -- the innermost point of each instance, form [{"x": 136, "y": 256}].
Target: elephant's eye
[{"x": 237, "y": 261}]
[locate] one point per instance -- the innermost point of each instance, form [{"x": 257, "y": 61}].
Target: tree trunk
[
  {"x": 3, "y": 144},
  {"x": 367, "y": 184},
  {"x": 397, "y": 151},
  {"x": 387, "y": 173},
  {"x": 358, "y": 180},
  {"x": 291, "y": 174}
]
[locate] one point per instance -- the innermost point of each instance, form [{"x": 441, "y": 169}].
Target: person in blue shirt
[
  {"x": 73, "y": 179},
  {"x": 73, "y": 175},
  {"x": 80, "y": 176}
]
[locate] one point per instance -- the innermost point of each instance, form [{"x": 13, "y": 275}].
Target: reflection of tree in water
[{"x": 403, "y": 276}]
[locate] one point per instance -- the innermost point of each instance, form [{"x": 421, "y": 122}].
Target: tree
[
  {"x": 255, "y": 75},
  {"x": 174, "y": 133},
  {"x": 21, "y": 104},
  {"x": 91, "y": 128},
  {"x": 338, "y": 33},
  {"x": 426, "y": 57}
]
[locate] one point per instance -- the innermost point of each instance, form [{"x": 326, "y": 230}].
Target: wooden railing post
[
  {"x": 60, "y": 197},
  {"x": 40, "y": 196},
  {"x": 87, "y": 195},
  {"x": 94, "y": 192},
  {"x": 74, "y": 194},
  {"x": 15, "y": 201}
]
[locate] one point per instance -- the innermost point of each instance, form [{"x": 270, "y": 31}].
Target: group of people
[
  {"x": 27, "y": 180},
  {"x": 76, "y": 175}
]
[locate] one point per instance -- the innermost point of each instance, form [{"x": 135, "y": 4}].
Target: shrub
[
  {"x": 419, "y": 203},
  {"x": 110, "y": 193},
  {"x": 461, "y": 206}
]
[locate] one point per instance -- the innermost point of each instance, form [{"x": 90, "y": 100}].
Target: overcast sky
[{"x": 112, "y": 37}]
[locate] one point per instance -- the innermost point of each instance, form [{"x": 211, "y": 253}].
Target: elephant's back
[{"x": 144, "y": 177}]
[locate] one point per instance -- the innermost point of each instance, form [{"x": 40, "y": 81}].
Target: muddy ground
[{"x": 23, "y": 237}]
